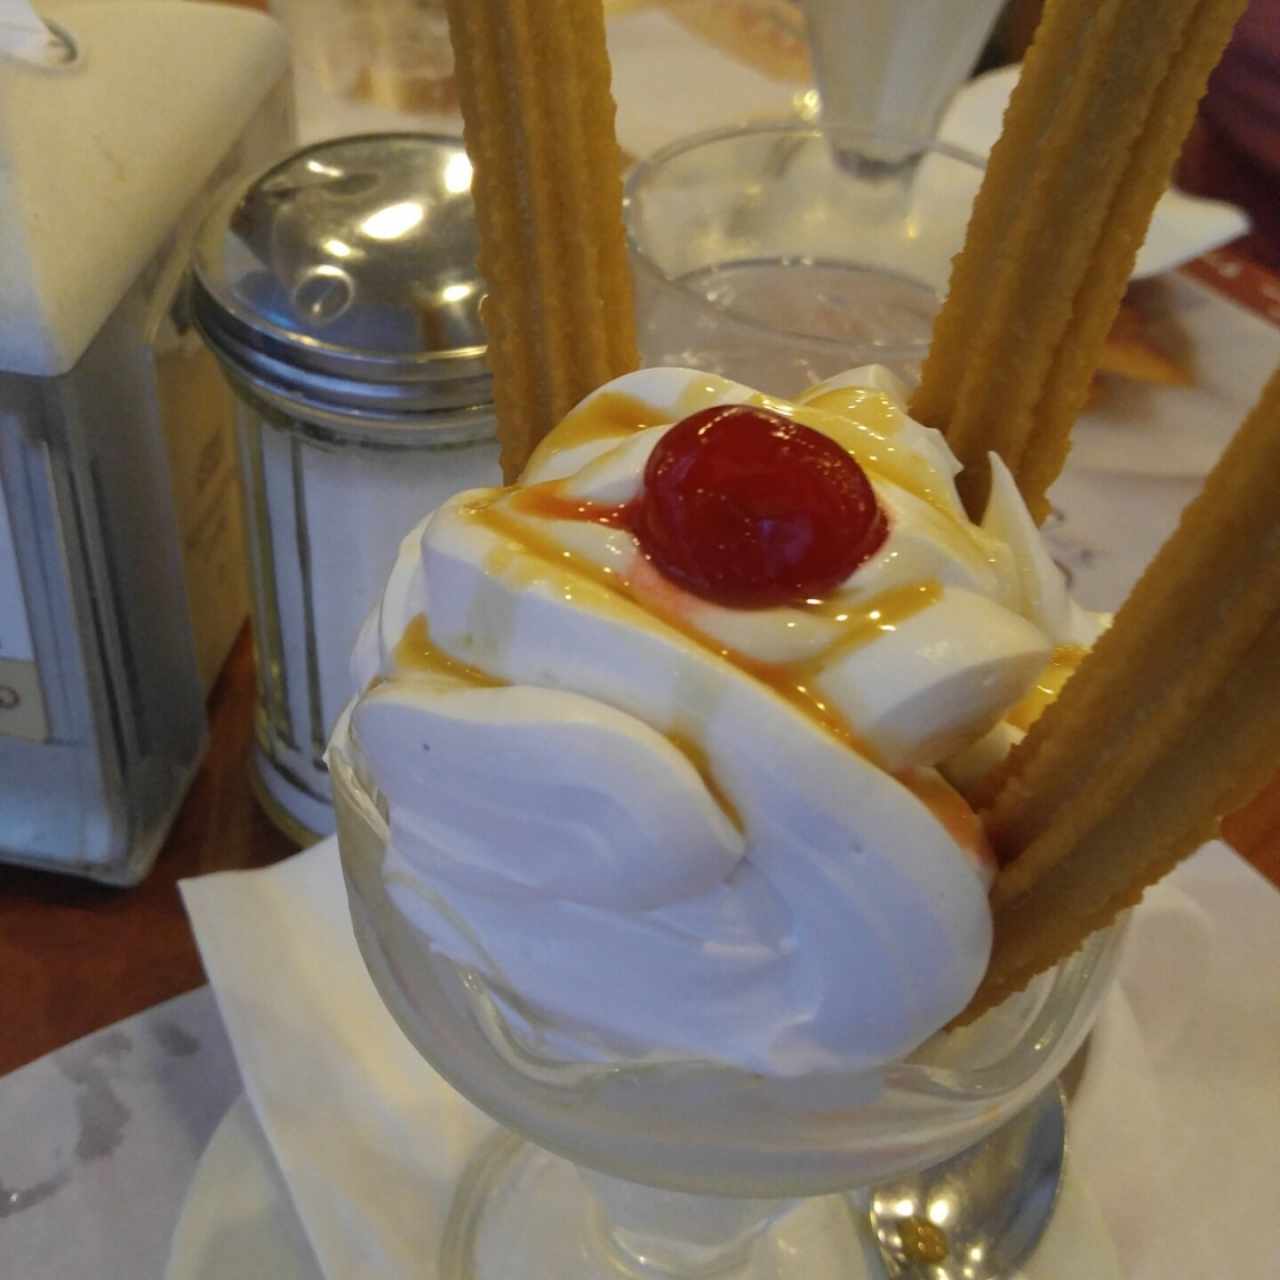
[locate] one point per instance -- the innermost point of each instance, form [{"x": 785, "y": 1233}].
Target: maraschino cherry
[{"x": 746, "y": 508}]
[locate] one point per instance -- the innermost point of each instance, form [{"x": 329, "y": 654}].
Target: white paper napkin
[
  {"x": 1175, "y": 1126},
  {"x": 1177, "y": 1122},
  {"x": 1139, "y": 429},
  {"x": 369, "y": 1139},
  {"x": 22, "y": 34}
]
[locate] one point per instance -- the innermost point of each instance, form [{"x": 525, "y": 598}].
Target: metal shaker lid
[{"x": 345, "y": 278}]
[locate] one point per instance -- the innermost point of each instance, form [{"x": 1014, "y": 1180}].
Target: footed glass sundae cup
[{"x": 649, "y": 1166}]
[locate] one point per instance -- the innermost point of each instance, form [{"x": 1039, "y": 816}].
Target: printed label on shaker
[{"x": 22, "y": 713}]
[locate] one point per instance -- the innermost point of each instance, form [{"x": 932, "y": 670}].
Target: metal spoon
[{"x": 978, "y": 1215}]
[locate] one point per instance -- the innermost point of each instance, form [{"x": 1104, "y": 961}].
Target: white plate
[
  {"x": 1145, "y": 430},
  {"x": 1182, "y": 227},
  {"x": 238, "y": 1222}
]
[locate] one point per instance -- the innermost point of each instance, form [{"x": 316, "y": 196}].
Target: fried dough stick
[
  {"x": 1108, "y": 92},
  {"x": 1172, "y": 721},
  {"x": 533, "y": 83}
]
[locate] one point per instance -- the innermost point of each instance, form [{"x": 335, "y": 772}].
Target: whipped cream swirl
[{"x": 665, "y": 828}]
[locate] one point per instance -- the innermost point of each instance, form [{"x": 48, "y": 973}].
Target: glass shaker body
[
  {"x": 339, "y": 289},
  {"x": 101, "y": 713},
  {"x": 326, "y": 505}
]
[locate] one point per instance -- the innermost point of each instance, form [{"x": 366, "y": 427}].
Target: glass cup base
[
  {"x": 296, "y": 812},
  {"x": 521, "y": 1212}
]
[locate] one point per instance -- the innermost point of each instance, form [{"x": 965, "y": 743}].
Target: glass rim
[
  {"x": 913, "y": 143},
  {"x": 644, "y": 170}
]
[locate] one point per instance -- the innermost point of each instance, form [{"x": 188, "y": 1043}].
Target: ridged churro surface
[
  {"x": 1168, "y": 724},
  {"x": 533, "y": 84},
  {"x": 1108, "y": 92}
]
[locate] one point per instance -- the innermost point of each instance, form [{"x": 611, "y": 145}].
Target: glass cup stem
[{"x": 650, "y": 1232}]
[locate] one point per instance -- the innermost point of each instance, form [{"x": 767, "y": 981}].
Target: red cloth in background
[{"x": 1234, "y": 150}]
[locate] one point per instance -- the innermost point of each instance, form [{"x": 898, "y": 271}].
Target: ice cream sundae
[{"x": 666, "y": 795}]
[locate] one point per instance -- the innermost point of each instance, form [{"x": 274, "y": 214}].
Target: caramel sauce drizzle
[
  {"x": 702, "y": 395},
  {"x": 794, "y": 682},
  {"x": 1057, "y": 671},
  {"x": 606, "y": 416},
  {"x": 952, "y": 810},
  {"x": 872, "y": 408},
  {"x": 415, "y": 651},
  {"x": 692, "y": 751},
  {"x": 550, "y": 502}
]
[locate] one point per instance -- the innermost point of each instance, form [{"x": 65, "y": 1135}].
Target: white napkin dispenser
[{"x": 110, "y": 149}]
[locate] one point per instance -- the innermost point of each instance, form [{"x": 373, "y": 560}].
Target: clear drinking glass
[
  {"x": 678, "y": 1168},
  {"x": 781, "y": 254}
]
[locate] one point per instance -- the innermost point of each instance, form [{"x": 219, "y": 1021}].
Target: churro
[
  {"x": 1108, "y": 92},
  {"x": 533, "y": 83},
  {"x": 1169, "y": 724}
]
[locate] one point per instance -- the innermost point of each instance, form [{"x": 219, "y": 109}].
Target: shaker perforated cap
[{"x": 345, "y": 278}]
